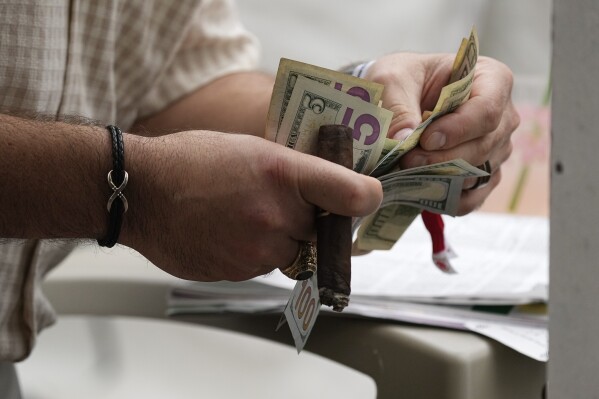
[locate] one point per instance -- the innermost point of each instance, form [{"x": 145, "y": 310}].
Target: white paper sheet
[
  {"x": 501, "y": 259},
  {"x": 531, "y": 341}
]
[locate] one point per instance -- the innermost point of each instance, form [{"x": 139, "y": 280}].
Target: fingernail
[
  {"x": 436, "y": 141},
  {"x": 402, "y": 134},
  {"x": 416, "y": 161}
]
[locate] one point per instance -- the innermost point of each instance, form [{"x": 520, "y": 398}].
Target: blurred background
[{"x": 334, "y": 33}]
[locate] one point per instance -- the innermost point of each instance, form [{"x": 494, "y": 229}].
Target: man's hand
[
  {"x": 212, "y": 206},
  {"x": 478, "y": 131}
]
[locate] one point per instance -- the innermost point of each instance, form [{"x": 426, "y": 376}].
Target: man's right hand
[{"x": 211, "y": 206}]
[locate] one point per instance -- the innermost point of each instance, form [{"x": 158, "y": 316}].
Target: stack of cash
[{"x": 306, "y": 97}]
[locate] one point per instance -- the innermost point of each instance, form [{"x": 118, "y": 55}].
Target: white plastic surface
[{"x": 122, "y": 357}]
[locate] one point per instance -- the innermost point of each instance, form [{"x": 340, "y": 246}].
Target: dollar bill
[
  {"x": 389, "y": 146},
  {"x": 466, "y": 58},
  {"x": 287, "y": 76},
  {"x": 438, "y": 194},
  {"x": 399, "y": 186},
  {"x": 382, "y": 229},
  {"x": 455, "y": 167},
  {"x": 312, "y": 105},
  {"x": 302, "y": 310}
]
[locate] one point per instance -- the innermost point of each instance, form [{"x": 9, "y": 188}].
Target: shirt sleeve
[{"x": 216, "y": 44}]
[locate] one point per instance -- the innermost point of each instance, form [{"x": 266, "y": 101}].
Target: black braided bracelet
[{"x": 117, "y": 179}]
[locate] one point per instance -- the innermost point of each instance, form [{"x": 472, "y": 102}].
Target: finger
[
  {"x": 404, "y": 120},
  {"x": 496, "y": 159},
  {"x": 299, "y": 223},
  {"x": 335, "y": 188},
  {"x": 489, "y": 104},
  {"x": 473, "y": 199},
  {"x": 275, "y": 251},
  {"x": 291, "y": 260},
  {"x": 476, "y": 151}
]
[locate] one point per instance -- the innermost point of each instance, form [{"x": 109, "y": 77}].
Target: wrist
[
  {"x": 139, "y": 191},
  {"x": 117, "y": 179},
  {"x": 358, "y": 69}
]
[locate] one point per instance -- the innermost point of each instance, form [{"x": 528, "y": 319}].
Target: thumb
[
  {"x": 337, "y": 189},
  {"x": 402, "y": 94},
  {"x": 406, "y": 115}
]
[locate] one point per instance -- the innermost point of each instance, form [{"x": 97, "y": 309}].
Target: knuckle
[
  {"x": 492, "y": 114},
  {"x": 463, "y": 131},
  {"x": 403, "y": 117},
  {"x": 277, "y": 169},
  {"x": 487, "y": 146},
  {"x": 503, "y": 71},
  {"x": 265, "y": 217},
  {"x": 400, "y": 111}
]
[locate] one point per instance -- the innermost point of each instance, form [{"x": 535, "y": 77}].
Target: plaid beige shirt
[{"x": 113, "y": 61}]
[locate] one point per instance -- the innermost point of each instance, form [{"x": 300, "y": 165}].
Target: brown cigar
[{"x": 334, "y": 237}]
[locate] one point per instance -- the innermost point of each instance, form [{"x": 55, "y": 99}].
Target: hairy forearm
[
  {"x": 234, "y": 103},
  {"x": 53, "y": 179}
]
